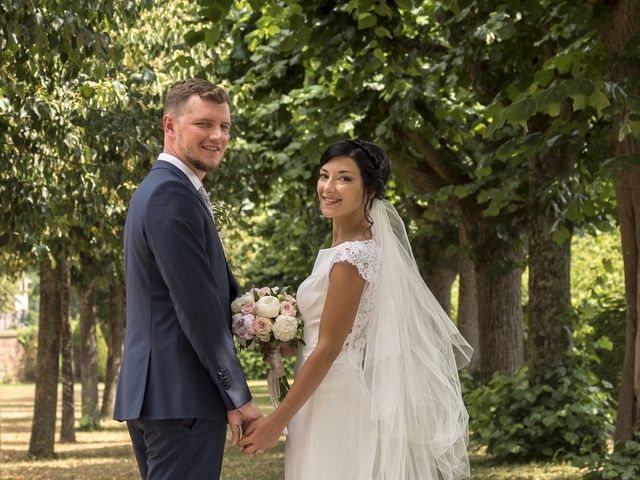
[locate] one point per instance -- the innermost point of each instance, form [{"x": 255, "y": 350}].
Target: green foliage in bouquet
[
  {"x": 568, "y": 416},
  {"x": 623, "y": 463}
]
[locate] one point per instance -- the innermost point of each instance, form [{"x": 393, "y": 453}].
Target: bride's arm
[{"x": 338, "y": 315}]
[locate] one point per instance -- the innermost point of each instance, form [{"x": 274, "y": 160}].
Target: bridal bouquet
[{"x": 262, "y": 320}]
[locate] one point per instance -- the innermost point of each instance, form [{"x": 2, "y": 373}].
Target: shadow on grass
[{"x": 106, "y": 454}]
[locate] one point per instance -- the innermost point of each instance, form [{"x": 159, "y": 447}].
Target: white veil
[{"x": 411, "y": 364}]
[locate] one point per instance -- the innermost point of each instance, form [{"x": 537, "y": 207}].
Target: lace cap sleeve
[{"x": 361, "y": 254}]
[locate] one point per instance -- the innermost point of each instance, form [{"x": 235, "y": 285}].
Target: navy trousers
[{"x": 182, "y": 449}]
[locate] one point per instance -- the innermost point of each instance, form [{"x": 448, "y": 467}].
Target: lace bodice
[
  {"x": 312, "y": 294},
  {"x": 363, "y": 256}
]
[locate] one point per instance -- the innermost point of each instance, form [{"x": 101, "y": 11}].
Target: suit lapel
[{"x": 162, "y": 165}]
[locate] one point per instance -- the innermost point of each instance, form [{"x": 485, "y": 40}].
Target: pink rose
[
  {"x": 290, "y": 299},
  {"x": 243, "y": 327},
  {"x": 286, "y": 308},
  {"x": 263, "y": 291},
  {"x": 262, "y": 327},
  {"x": 248, "y": 308}
]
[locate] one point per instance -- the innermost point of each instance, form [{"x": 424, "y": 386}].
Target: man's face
[{"x": 200, "y": 133}]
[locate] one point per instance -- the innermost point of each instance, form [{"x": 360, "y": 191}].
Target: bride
[{"x": 376, "y": 392}]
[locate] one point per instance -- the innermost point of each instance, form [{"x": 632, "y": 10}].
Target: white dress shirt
[{"x": 167, "y": 157}]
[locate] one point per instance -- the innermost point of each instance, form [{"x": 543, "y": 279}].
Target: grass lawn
[{"x": 107, "y": 455}]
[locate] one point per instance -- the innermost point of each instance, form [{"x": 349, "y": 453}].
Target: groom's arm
[{"x": 175, "y": 230}]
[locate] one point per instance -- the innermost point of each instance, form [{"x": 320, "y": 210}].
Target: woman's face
[{"x": 340, "y": 188}]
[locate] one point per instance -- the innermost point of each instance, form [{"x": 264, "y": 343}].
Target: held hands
[
  {"x": 240, "y": 419},
  {"x": 261, "y": 435}
]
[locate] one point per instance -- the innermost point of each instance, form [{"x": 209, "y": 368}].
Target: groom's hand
[
  {"x": 235, "y": 422},
  {"x": 249, "y": 413},
  {"x": 241, "y": 418}
]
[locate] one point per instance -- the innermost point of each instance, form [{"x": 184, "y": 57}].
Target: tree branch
[{"x": 432, "y": 157}]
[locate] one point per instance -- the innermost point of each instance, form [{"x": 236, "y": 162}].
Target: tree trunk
[
  {"x": 499, "y": 280},
  {"x": 468, "y": 305},
  {"x": 88, "y": 350},
  {"x": 628, "y": 196},
  {"x": 549, "y": 274},
  {"x": 438, "y": 271},
  {"x": 618, "y": 28},
  {"x": 439, "y": 278},
  {"x": 46, "y": 395},
  {"x": 67, "y": 428},
  {"x": 115, "y": 339}
]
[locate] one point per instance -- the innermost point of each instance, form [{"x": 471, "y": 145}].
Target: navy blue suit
[{"x": 179, "y": 361}]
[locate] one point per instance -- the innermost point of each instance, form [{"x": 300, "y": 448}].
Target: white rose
[
  {"x": 267, "y": 306},
  {"x": 285, "y": 328},
  {"x": 240, "y": 302}
]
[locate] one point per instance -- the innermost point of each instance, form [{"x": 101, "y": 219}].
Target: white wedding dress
[
  {"x": 323, "y": 437},
  {"x": 390, "y": 406}
]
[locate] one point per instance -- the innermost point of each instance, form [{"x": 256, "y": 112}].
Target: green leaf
[
  {"x": 483, "y": 171},
  {"x": 599, "y": 101},
  {"x": 405, "y": 4},
  {"x": 212, "y": 35},
  {"x": 379, "y": 54},
  {"x": 631, "y": 127},
  {"x": 288, "y": 44},
  {"x": 552, "y": 109},
  {"x": 544, "y": 77},
  {"x": 87, "y": 91},
  {"x": 296, "y": 21},
  {"x": 366, "y": 20},
  {"x": 563, "y": 63},
  {"x": 561, "y": 235},
  {"x": 550, "y": 100},
  {"x": 304, "y": 34},
  {"x": 273, "y": 30},
  {"x": 571, "y": 438},
  {"x": 520, "y": 111},
  {"x": 383, "y": 10},
  {"x": 383, "y": 32},
  {"x": 193, "y": 38},
  {"x": 578, "y": 87},
  {"x": 461, "y": 191},
  {"x": 605, "y": 343},
  {"x": 580, "y": 102},
  {"x": 493, "y": 109}
]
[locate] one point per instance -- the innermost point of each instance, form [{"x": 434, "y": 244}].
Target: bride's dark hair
[{"x": 373, "y": 163}]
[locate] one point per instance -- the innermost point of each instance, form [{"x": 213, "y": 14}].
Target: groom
[{"x": 180, "y": 380}]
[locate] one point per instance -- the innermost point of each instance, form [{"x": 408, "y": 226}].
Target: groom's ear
[{"x": 168, "y": 124}]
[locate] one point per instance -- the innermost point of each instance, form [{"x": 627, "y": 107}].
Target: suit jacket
[{"x": 179, "y": 359}]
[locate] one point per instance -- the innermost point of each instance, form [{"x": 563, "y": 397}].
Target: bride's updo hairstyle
[{"x": 373, "y": 163}]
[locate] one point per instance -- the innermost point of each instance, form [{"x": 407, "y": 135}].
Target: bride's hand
[{"x": 261, "y": 435}]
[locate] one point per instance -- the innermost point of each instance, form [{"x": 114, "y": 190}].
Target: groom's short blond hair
[{"x": 183, "y": 90}]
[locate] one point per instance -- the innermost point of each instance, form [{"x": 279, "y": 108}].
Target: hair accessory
[{"x": 358, "y": 144}]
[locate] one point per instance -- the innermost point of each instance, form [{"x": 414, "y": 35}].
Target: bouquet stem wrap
[{"x": 277, "y": 378}]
